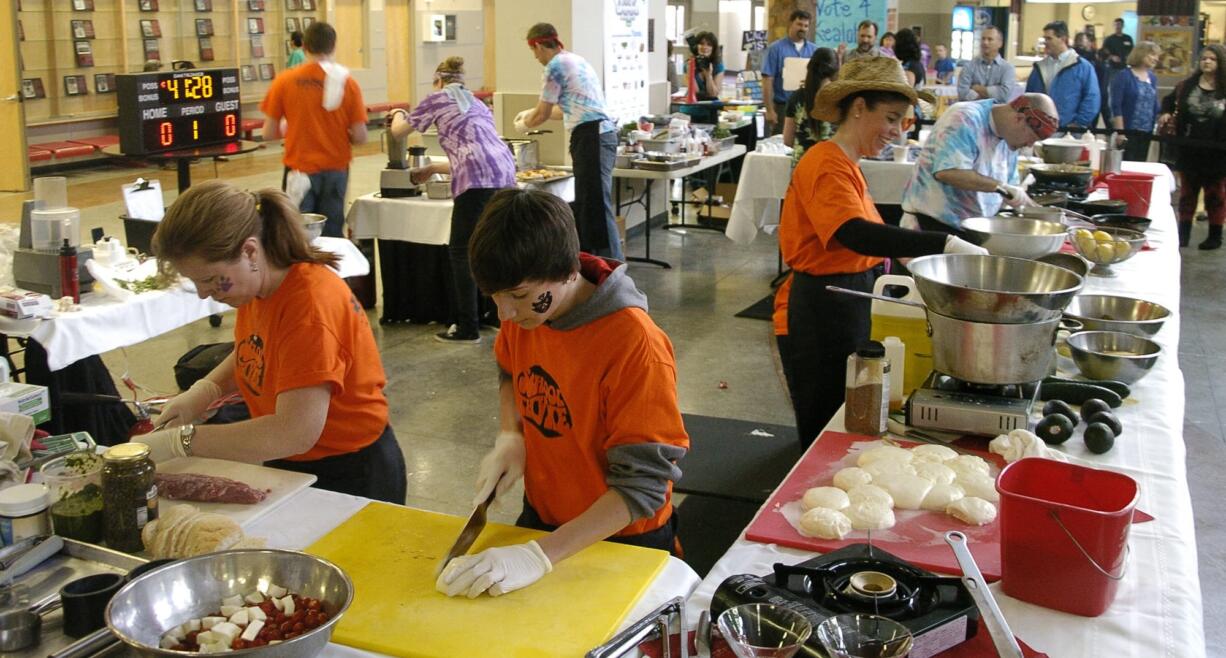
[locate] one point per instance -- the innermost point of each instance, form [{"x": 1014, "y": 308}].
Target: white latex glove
[
  {"x": 496, "y": 570},
  {"x": 521, "y": 120},
  {"x": 164, "y": 445},
  {"x": 501, "y": 467},
  {"x": 1016, "y": 197},
  {"x": 956, "y": 245},
  {"x": 190, "y": 405}
]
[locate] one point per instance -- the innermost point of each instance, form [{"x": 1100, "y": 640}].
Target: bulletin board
[
  {"x": 625, "y": 59},
  {"x": 835, "y": 21}
]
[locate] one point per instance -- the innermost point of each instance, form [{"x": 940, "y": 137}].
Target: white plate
[{"x": 279, "y": 484}]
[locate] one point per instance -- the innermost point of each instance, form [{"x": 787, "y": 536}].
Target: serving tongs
[
  {"x": 1002, "y": 637},
  {"x": 657, "y": 622}
]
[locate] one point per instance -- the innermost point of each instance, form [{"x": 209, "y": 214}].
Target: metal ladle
[
  {"x": 20, "y": 628},
  {"x": 1002, "y": 636}
]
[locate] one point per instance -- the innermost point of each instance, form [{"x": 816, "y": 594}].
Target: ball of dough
[
  {"x": 866, "y": 514},
  {"x": 933, "y": 453},
  {"x": 825, "y": 523},
  {"x": 935, "y": 472},
  {"x": 883, "y": 452},
  {"x": 972, "y": 511},
  {"x": 907, "y": 490},
  {"x": 828, "y": 497},
  {"x": 968, "y": 463},
  {"x": 940, "y": 496},
  {"x": 850, "y": 477},
  {"x": 871, "y": 492},
  {"x": 886, "y": 467},
  {"x": 979, "y": 486}
]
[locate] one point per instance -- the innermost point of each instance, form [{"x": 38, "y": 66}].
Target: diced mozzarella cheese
[
  {"x": 209, "y": 622},
  {"x": 168, "y": 642},
  {"x": 276, "y": 591},
  {"x": 253, "y": 630},
  {"x": 206, "y": 637},
  {"x": 255, "y": 598},
  {"x": 256, "y": 612},
  {"x": 276, "y": 603},
  {"x": 287, "y": 604},
  {"x": 239, "y": 618},
  {"x": 237, "y": 599},
  {"x": 192, "y": 625},
  {"x": 215, "y": 647},
  {"x": 227, "y": 630},
  {"x": 227, "y": 610},
  {"x": 272, "y": 642},
  {"x": 178, "y": 632}
]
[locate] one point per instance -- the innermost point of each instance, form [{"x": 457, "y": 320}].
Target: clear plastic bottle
[
  {"x": 867, "y": 385},
  {"x": 895, "y": 353}
]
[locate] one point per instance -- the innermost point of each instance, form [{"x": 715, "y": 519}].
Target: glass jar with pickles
[{"x": 129, "y": 495}]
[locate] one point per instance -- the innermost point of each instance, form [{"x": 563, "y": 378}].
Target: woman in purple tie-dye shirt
[{"x": 480, "y": 164}]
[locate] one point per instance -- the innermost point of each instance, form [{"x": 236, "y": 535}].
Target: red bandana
[
  {"x": 1043, "y": 124},
  {"x": 547, "y": 37}
]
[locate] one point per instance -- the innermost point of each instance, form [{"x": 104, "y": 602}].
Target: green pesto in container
[{"x": 79, "y": 515}]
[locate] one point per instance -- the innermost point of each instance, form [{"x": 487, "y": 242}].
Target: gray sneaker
[{"x": 452, "y": 335}]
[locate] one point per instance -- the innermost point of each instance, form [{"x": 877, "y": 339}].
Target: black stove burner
[
  {"x": 1075, "y": 191},
  {"x": 938, "y": 610}
]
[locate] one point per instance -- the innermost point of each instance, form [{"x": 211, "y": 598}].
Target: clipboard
[{"x": 143, "y": 200}]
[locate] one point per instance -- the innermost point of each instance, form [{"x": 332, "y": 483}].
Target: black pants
[
  {"x": 1136, "y": 149},
  {"x": 464, "y": 215},
  {"x": 663, "y": 538},
  {"x": 823, "y": 329},
  {"x": 592, "y": 154},
  {"x": 784, "y": 343},
  {"x": 376, "y": 471}
]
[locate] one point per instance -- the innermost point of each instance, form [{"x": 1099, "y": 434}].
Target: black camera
[{"x": 702, "y": 63}]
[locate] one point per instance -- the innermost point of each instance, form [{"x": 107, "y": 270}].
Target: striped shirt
[{"x": 479, "y": 158}]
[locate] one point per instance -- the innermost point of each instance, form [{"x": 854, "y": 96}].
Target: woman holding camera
[{"x": 707, "y": 66}]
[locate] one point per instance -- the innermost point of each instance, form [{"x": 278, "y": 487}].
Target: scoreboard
[{"x": 171, "y": 110}]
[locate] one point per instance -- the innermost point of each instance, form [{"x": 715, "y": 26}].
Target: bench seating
[
  {"x": 37, "y": 154},
  {"x": 65, "y": 150},
  {"x": 250, "y": 126},
  {"x": 97, "y": 143}
]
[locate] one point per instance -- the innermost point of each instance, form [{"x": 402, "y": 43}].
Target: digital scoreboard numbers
[{"x": 172, "y": 110}]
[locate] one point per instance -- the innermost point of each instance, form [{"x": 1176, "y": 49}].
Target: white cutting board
[{"x": 279, "y": 484}]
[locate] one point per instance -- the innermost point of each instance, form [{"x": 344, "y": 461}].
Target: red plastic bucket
[
  {"x": 1135, "y": 189},
  {"x": 1064, "y": 534}
]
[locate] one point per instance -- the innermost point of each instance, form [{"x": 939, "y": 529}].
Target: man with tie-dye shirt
[{"x": 572, "y": 92}]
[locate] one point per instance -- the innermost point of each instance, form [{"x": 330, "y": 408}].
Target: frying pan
[{"x": 1061, "y": 173}]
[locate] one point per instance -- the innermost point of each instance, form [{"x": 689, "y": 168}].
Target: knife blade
[{"x": 468, "y": 534}]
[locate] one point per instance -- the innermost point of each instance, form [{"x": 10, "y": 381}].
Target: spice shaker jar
[
  {"x": 867, "y": 390},
  {"x": 23, "y": 513},
  {"x": 129, "y": 495}
]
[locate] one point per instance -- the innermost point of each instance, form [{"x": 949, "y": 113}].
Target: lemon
[
  {"x": 1103, "y": 236},
  {"x": 1105, "y": 251},
  {"x": 1083, "y": 234}
]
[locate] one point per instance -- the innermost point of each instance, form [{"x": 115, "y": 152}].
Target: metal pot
[
  {"x": 993, "y": 289},
  {"x": 988, "y": 353},
  {"x": 1060, "y": 151},
  {"x": 1017, "y": 237}
]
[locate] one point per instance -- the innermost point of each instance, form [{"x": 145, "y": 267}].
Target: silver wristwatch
[{"x": 186, "y": 434}]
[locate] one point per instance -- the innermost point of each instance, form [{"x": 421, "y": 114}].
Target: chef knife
[{"x": 472, "y": 529}]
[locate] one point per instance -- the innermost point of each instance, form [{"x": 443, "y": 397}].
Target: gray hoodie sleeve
[{"x": 641, "y": 472}]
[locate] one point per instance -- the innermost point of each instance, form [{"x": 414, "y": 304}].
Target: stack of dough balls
[
  {"x": 933, "y": 478},
  {"x": 183, "y": 531}
]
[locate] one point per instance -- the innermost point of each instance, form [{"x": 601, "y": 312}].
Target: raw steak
[{"x": 207, "y": 489}]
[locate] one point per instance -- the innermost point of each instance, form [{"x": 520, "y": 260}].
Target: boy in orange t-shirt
[
  {"x": 588, "y": 411},
  {"x": 324, "y": 114}
]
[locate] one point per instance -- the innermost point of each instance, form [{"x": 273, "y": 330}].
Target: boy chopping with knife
[{"x": 588, "y": 398}]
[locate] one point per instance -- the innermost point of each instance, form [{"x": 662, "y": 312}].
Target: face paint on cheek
[
  {"x": 224, "y": 284},
  {"x": 543, "y": 302}
]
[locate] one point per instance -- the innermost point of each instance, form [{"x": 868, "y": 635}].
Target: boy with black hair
[{"x": 588, "y": 398}]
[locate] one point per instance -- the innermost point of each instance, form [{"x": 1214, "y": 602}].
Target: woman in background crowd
[
  {"x": 1194, "y": 111},
  {"x": 800, "y": 129},
  {"x": 886, "y": 46},
  {"x": 907, "y": 50},
  {"x": 1134, "y": 100}
]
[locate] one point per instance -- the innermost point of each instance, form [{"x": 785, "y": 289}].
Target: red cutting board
[{"x": 918, "y": 536}]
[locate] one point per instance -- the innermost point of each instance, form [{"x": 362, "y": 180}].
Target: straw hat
[{"x": 864, "y": 74}]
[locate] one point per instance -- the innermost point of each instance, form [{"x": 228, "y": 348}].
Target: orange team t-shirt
[
  {"x": 826, "y": 191},
  {"x": 580, "y": 392},
  {"x": 316, "y": 140},
  {"x": 780, "y": 317},
  {"x": 313, "y": 331}
]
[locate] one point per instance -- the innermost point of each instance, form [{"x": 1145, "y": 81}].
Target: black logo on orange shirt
[
  {"x": 541, "y": 403},
  {"x": 249, "y": 359}
]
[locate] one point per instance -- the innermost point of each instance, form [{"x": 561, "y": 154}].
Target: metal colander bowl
[{"x": 994, "y": 289}]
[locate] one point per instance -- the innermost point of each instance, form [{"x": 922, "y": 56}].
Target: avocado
[
  {"x": 1061, "y": 407},
  {"x": 1099, "y": 438},
  {"x": 1107, "y": 418},
  {"x": 1054, "y": 429},
  {"x": 1093, "y": 406}
]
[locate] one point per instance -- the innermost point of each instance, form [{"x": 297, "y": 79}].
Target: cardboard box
[
  {"x": 23, "y": 304},
  {"x": 721, "y": 208},
  {"x": 621, "y": 228},
  {"x": 26, "y": 399}
]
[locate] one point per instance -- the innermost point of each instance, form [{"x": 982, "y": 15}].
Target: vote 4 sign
[
  {"x": 836, "y": 20},
  {"x": 174, "y": 110}
]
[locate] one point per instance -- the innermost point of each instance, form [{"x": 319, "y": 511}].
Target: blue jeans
[
  {"x": 592, "y": 154},
  {"x": 327, "y": 197}
]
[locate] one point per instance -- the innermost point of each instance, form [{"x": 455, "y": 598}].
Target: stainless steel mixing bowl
[
  {"x": 1072, "y": 262},
  {"x": 314, "y": 224},
  {"x": 141, "y": 612},
  {"x": 1113, "y": 355},
  {"x": 1019, "y": 237},
  {"x": 993, "y": 289},
  {"x": 1117, "y": 313}
]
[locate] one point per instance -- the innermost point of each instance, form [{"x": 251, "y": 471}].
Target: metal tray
[
  {"x": 666, "y": 166},
  {"x": 75, "y": 560}
]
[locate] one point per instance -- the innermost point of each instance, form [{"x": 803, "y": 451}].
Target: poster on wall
[
  {"x": 85, "y": 54},
  {"x": 1176, "y": 39},
  {"x": 625, "y": 59},
  {"x": 82, "y": 29},
  {"x": 837, "y": 20},
  {"x": 753, "y": 40}
]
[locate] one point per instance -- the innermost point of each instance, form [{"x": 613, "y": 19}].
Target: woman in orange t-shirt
[
  {"x": 832, "y": 235},
  {"x": 305, "y": 359}
]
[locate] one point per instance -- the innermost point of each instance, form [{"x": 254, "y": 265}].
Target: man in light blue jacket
[{"x": 1067, "y": 78}]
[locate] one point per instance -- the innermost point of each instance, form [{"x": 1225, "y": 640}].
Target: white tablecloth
[
  {"x": 104, "y": 323},
  {"x": 1158, "y": 609},
  {"x": 764, "y": 183},
  {"x": 313, "y": 513}
]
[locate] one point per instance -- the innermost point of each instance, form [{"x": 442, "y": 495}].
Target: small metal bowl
[
  {"x": 1113, "y": 355},
  {"x": 314, "y": 224},
  {"x": 151, "y": 604},
  {"x": 1016, "y": 237},
  {"x": 1117, "y": 313},
  {"x": 1125, "y": 244}
]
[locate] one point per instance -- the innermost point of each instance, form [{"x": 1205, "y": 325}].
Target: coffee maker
[{"x": 396, "y": 181}]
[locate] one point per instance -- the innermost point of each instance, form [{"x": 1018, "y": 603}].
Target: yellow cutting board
[{"x": 391, "y": 553}]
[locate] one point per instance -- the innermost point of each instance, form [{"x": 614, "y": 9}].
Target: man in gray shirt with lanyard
[{"x": 989, "y": 75}]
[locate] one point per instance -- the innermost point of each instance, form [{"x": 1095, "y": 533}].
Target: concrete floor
[{"x": 444, "y": 397}]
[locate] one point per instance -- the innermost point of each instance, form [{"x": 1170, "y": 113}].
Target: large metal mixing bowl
[
  {"x": 1019, "y": 237},
  {"x": 983, "y": 353},
  {"x": 141, "y": 612},
  {"x": 1072, "y": 262},
  {"x": 1117, "y": 313},
  {"x": 993, "y": 289},
  {"x": 1113, "y": 355}
]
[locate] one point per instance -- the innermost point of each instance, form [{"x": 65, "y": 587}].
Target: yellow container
[{"x": 909, "y": 324}]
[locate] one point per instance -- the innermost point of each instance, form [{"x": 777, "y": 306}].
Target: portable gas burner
[
  {"x": 1075, "y": 191},
  {"x": 951, "y": 405},
  {"x": 938, "y": 610}
]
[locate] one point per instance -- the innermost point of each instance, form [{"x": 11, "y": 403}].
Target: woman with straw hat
[{"x": 832, "y": 235}]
